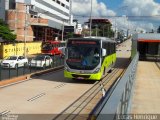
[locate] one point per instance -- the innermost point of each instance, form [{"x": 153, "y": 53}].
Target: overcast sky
[{"x": 133, "y": 9}]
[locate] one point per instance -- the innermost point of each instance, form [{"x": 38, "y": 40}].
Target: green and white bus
[{"x": 89, "y": 58}]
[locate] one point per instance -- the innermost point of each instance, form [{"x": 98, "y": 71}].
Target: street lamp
[
  {"x": 96, "y": 30},
  {"x": 64, "y": 21}
]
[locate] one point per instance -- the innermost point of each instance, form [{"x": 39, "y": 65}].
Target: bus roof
[{"x": 105, "y": 39}]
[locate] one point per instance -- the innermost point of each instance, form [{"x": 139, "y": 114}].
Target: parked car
[
  {"x": 14, "y": 62},
  {"x": 41, "y": 61}
]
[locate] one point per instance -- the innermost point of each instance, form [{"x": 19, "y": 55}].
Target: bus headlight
[
  {"x": 97, "y": 70},
  {"x": 66, "y": 68}
]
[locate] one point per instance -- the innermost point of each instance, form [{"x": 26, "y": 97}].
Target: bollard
[
  {"x": 54, "y": 61},
  {"x": 9, "y": 71},
  {"x": 17, "y": 70},
  {"x": 30, "y": 70},
  {"x": 44, "y": 66},
  {"x": 24, "y": 68}
]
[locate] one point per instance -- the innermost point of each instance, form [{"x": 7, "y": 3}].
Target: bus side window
[
  {"x": 108, "y": 50},
  {"x": 111, "y": 47}
]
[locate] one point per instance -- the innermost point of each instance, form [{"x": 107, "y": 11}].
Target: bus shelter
[{"x": 148, "y": 45}]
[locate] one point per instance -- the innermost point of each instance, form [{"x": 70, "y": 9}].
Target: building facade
[
  {"x": 98, "y": 27},
  {"x": 37, "y": 20},
  {"x": 2, "y": 9}
]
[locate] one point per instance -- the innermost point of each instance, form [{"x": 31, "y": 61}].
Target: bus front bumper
[{"x": 92, "y": 76}]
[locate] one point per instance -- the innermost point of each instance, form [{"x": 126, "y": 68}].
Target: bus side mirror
[{"x": 103, "y": 52}]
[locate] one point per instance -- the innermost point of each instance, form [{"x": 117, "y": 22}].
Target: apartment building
[
  {"x": 2, "y": 9},
  {"x": 37, "y": 20}
]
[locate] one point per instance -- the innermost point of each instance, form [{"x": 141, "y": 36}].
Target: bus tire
[
  {"x": 104, "y": 71},
  {"x": 110, "y": 70}
]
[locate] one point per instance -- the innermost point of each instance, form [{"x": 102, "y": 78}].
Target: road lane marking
[{"x": 36, "y": 97}]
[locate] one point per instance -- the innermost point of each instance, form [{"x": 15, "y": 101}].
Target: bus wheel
[
  {"x": 110, "y": 70},
  {"x": 104, "y": 71}
]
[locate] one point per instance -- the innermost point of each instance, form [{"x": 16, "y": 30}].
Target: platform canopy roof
[{"x": 147, "y": 37}]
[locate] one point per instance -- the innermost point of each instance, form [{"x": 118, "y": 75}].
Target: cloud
[
  {"x": 142, "y": 7},
  {"x": 122, "y": 23},
  {"x": 82, "y": 9},
  {"x": 142, "y": 15},
  {"x": 136, "y": 9}
]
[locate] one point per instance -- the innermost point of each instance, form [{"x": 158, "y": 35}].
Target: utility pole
[
  {"x": 96, "y": 30},
  {"x": 62, "y": 29},
  {"x": 25, "y": 28},
  {"x": 103, "y": 31},
  {"x": 70, "y": 17},
  {"x": 90, "y": 31},
  {"x": 115, "y": 30}
]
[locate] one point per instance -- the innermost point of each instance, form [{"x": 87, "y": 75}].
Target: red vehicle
[{"x": 53, "y": 47}]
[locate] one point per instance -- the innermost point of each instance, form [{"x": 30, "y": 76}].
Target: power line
[{"x": 130, "y": 16}]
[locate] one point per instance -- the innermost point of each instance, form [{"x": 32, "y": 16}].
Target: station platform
[{"x": 146, "y": 95}]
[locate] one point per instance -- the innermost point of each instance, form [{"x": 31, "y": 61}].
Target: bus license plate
[{"x": 80, "y": 78}]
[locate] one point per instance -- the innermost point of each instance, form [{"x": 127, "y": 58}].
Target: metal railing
[
  {"x": 8, "y": 72},
  {"x": 117, "y": 103}
]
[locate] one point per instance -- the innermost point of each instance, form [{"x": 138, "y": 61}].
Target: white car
[
  {"x": 14, "y": 62},
  {"x": 41, "y": 61}
]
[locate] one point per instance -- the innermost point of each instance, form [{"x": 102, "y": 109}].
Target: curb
[
  {"x": 26, "y": 77},
  {"x": 46, "y": 71}
]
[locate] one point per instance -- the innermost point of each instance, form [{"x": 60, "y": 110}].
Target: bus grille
[{"x": 83, "y": 76}]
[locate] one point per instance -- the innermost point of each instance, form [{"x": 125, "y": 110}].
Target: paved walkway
[{"x": 146, "y": 97}]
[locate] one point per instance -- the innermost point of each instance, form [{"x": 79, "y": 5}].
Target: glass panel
[{"x": 83, "y": 57}]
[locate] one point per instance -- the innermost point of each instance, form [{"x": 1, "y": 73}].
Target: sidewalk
[{"x": 146, "y": 96}]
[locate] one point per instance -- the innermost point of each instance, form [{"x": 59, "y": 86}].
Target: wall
[{"x": 18, "y": 49}]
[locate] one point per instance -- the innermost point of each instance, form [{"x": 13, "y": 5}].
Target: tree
[
  {"x": 158, "y": 30},
  {"x": 95, "y": 32},
  {"x": 6, "y": 33},
  {"x": 105, "y": 30},
  {"x": 70, "y": 35}
]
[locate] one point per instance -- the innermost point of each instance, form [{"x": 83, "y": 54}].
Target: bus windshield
[
  {"x": 46, "y": 47},
  {"x": 83, "y": 57}
]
